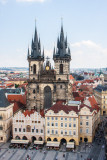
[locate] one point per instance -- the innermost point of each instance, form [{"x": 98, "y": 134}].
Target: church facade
[{"x": 47, "y": 85}]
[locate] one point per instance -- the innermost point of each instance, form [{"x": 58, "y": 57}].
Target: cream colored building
[
  {"x": 28, "y": 125},
  {"x": 6, "y": 115},
  {"x": 100, "y": 93},
  {"x": 89, "y": 119},
  {"x": 66, "y": 124}
]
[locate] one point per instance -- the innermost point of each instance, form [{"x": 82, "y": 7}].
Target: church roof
[{"x": 3, "y": 100}]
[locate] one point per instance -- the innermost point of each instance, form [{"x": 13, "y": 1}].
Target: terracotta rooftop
[
  {"x": 93, "y": 102},
  {"x": 17, "y": 106},
  {"x": 58, "y": 107},
  {"x": 71, "y": 77},
  {"x": 17, "y": 98}
]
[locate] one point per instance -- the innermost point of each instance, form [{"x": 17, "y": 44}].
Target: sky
[{"x": 84, "y": 23}]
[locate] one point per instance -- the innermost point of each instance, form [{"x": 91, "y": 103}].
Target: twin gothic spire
[
  {"x": 36, "y": 48},
  {"x": 62, "y": 50}
]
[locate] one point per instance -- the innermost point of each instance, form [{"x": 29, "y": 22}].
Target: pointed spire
[
  {"x": 28, "y": 52},
  {"x": 32, "y": 45},
  {"x": 39, "y": 44},
  {"x": 43, "y": 52},
  {"x": 58, "y": 45},
  {"x": 66, "y": 42},
  {"x": 62, "y": 32},
  {"x": 54, "y": 52},
  {"x": 69, "y": 51}
]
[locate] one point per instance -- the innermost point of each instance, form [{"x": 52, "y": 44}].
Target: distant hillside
[{"x": 14, "y": 68}]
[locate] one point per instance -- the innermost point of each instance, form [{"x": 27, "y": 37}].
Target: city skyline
[{"x": 84, "y": 23}]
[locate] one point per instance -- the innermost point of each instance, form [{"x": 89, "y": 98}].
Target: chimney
[{"x": 78, "y": 106}]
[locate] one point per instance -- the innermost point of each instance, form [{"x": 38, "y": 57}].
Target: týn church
[{"x": 47, "y": 85}]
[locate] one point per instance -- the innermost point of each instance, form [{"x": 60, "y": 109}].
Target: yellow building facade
[{"x": 70, "y": 123}]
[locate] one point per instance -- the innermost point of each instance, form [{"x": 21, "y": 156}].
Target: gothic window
[
  {"x": 34, "y": 69},
  {"x": 37, "y": 88},
  {"x": 61, "y": 68},
  {"x": 34, "y": 91},
  {"x": 47, "y": 97}
]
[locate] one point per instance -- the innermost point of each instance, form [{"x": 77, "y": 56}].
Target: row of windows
[
  {"x": 56, "y": 118},
  {"x": 87, "y": 130},
  {"x": 23, "y": 121},
  {"x": 62, "y": 125},
  {"x": 32, "y": 130},
  {"x": 87, "y": 117},
  {"x": 19, "y": 120},
  {"x": 61, "y": 132},
  {"x": 87, "y": 123}
]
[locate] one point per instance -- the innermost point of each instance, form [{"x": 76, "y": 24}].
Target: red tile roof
[
  {"x": 17, "y": 98},
  {"x": 79, "y": 99},
  {"x": 27, "y": 112},
  {"x": 9, "y": 85},
  {"x": 75, "y": 94},
  {"x": 17, "y": 106},
  {"x": 93, "y": 102},
  {"x": 71, "y": 77},
  {"x": 58, "y": 107}
]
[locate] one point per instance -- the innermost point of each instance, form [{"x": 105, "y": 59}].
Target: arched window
[
  {"x": 17, "y": 137},
  {"x": 40, "y": 138},
  {"x": 61, "y": 68},
  {"x": 37, "y": 88},
  {"x": 28, "y": 128},
  {"x": 34, "y": 69},
  {"x": 34, "y": 91},
  {"x": 55, "y": 139},
  {"x": 48, "y": 139},
  {"x": 24, "y": 138}
]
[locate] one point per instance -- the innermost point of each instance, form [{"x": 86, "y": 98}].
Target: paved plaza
[{"x": 81, "y": 153}]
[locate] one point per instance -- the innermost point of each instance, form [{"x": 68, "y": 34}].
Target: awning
[
  {"x": 38, "y": 142},
  {"x": 20, "y": 141},
  {"x": 52, "y": 144},
  {"x": 70, "y": 145}
]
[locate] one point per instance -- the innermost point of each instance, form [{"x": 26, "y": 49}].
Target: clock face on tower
[{"x": 47, "y": 68}]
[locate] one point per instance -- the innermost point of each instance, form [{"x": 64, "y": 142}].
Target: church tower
[
  {"x": 35, "y": 59},
  {"x": 47, "y": 85},
  {"x": 62, "y": 58}
]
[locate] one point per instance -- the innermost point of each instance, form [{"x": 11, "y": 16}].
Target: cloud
[
  {"x": 3, "y": 1},
  {"x": 41, "y": 1},
  {"x": 88, "y": 54}
]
